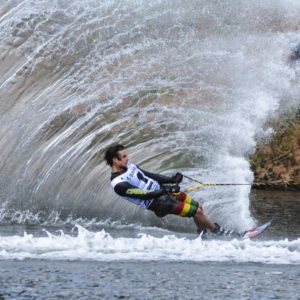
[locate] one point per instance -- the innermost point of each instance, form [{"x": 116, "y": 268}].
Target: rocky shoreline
[{"x": 276, "y": 163}]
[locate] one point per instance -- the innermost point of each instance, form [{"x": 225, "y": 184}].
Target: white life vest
[{"x": 137, "y": 178}]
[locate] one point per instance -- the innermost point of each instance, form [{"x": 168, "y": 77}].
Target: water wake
[{"x": 102, "y": 246}]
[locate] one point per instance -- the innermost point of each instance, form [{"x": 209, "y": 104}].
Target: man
[{"x": 158, "y": 193}]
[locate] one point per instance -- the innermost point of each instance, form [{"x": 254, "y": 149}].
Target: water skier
[{"x": 158, "y": 193}]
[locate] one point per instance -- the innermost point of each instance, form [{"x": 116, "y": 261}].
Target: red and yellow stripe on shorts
[{"x": 186, "y": 207}]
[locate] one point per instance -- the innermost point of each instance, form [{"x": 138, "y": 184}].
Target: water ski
[
  {"x": 256, "y": 231},
  {"x": 229, "y": 235}
]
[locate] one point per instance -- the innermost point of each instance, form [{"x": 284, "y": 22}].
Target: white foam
[
  {"x": 150, "y": 75},
  {"x": 101, "y": 246}
]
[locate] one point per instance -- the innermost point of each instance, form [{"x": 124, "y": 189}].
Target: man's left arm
[{"x": 163, "y": 179}]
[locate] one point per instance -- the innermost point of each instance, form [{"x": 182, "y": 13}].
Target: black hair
[{"x": 112, "y": 152}]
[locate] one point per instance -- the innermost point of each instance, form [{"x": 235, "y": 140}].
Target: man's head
[{"x": 116, "y": 156}]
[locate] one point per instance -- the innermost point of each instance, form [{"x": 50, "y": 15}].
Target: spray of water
[{"x": 186, "y": 86}]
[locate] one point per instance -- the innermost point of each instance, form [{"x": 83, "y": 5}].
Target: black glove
[
  {"x": 174, "y": 188},
  {"x": 177, "y": 178}
]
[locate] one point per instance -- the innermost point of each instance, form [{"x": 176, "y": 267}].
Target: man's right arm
[{"x": 125, "y": 189}]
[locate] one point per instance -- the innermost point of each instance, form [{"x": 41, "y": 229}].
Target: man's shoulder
[{"x": 130, "y": 167}]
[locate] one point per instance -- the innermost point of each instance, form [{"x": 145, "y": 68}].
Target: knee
[{"x": 200, "y": 211}]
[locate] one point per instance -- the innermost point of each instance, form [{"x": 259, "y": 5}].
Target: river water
[
  {"x": 186, "y": 86},
  {"x": 111, "y": 261}
]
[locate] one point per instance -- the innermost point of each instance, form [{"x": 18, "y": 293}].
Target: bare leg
[{"x": 202, "y": 221}]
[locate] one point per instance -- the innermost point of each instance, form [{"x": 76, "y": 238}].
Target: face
[{"x": 123, "y": 159}]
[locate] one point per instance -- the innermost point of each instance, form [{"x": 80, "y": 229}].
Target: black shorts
[{"x": 176, "y": 204}]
